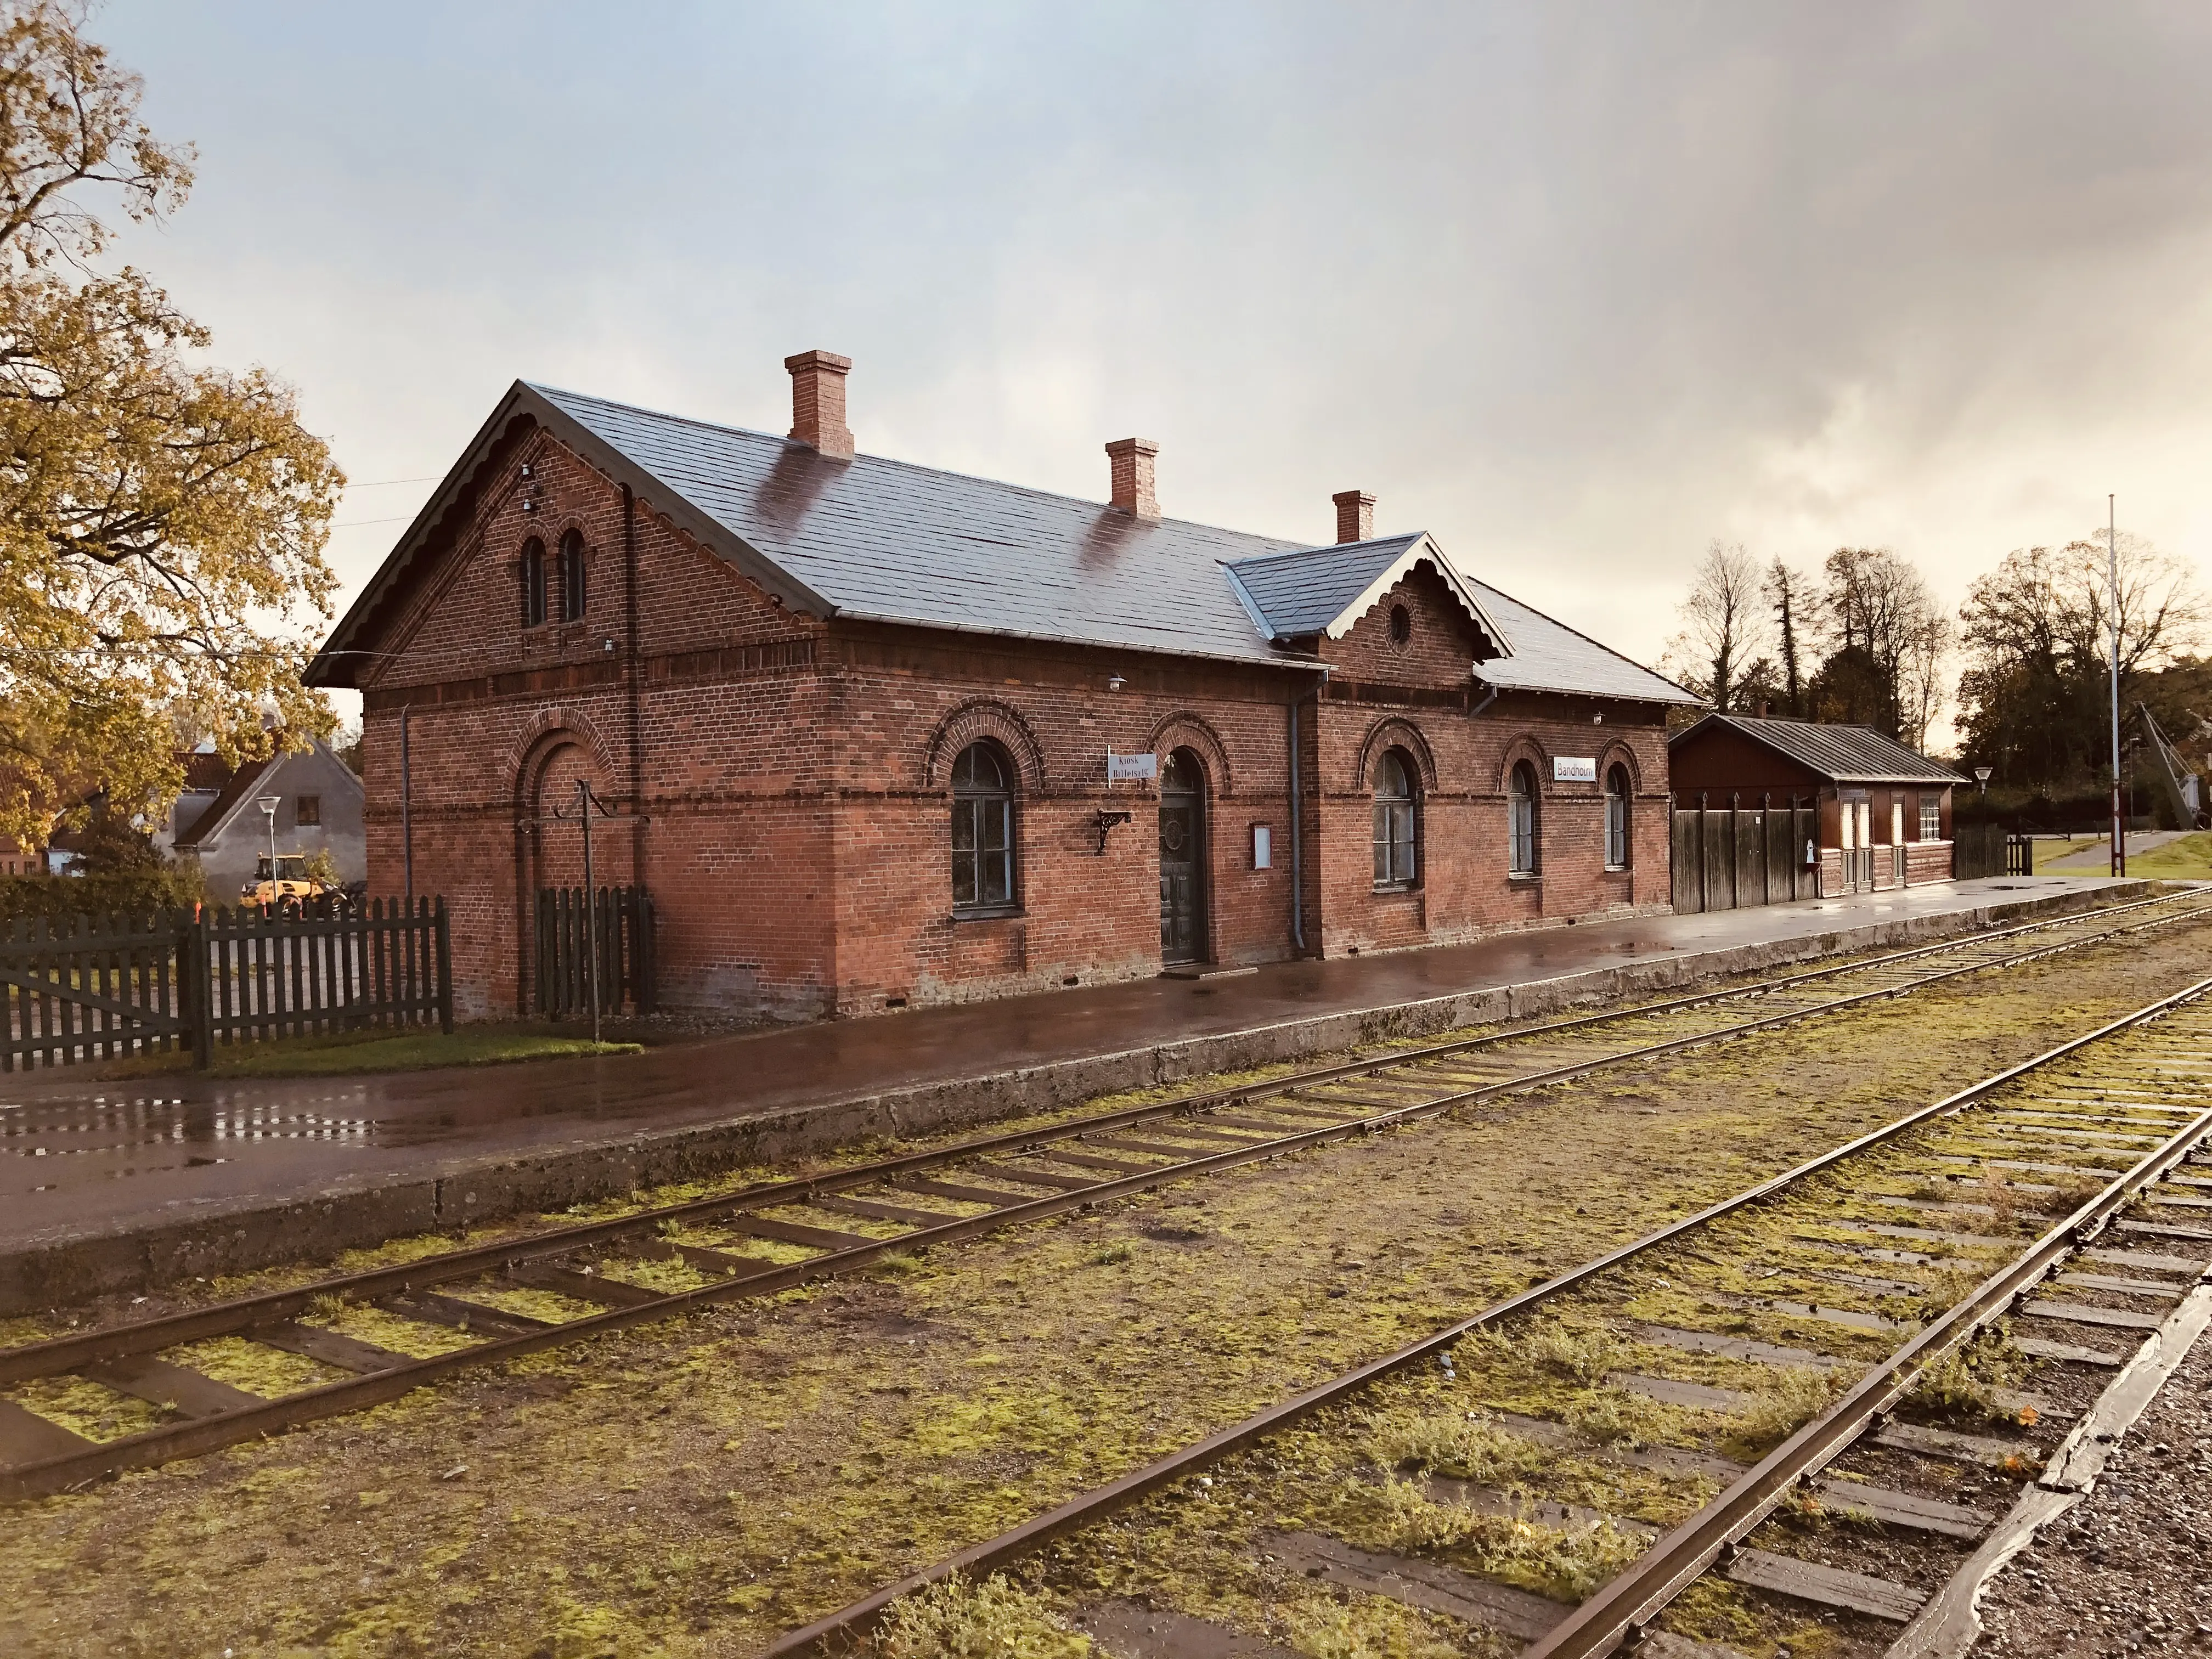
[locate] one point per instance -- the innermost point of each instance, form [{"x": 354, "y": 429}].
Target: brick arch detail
[
  {"x": 548, "y": 730},
  {"x": 1184, "y": 730},
  {"x": 1617, "y": 753},
  {"x": 1526, "y": 748},
  {"x": 984, "y": 717},
  {"x": 1394, "y": 731}
]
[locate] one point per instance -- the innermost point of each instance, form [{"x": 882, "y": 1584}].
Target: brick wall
[{"x": 783, "y": 785}]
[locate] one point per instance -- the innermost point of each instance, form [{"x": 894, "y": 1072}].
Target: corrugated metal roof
[{"x": 1842, "y": 754}]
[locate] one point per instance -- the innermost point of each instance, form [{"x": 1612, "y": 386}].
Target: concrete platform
[{"x": 118, "y": 1186}]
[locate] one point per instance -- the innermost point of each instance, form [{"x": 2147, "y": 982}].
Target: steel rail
[
  {"x": 1619, "y": 1613},
  {"x": 1093, "y": 1506},
  {"x": 197, "y": 1435},
  {"x": 240, "y": 1313}
]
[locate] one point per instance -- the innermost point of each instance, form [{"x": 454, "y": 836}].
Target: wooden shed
[{"x": 1862, "y": 811}]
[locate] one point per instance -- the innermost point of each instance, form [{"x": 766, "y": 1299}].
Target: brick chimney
[
  {"x": 817, "y": 402},
  {"x": 1132, "y": 475},
  {"x": 1355, "y": 515}
]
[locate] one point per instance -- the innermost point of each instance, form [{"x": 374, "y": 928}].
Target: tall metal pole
[
  {"x": 2119, "y": 823},
  {"x": 591, "y": 903}
]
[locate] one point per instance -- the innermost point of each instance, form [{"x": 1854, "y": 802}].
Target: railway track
[
  {"x": 1956, "y": 1315},
  {"x": 354, "y": 1340}
]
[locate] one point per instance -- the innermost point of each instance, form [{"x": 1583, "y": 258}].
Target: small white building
[{"x": 320, "y": 806}]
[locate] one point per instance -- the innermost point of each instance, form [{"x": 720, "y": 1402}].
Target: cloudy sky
[{"x": 1576, "y": 288}]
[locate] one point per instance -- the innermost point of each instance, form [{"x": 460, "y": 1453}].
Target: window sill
[
  {"x": 1382, "y": 889},
  {"x": 986, "y": 913},
  {"x": 1619, "y": 869},
  {"x": 1524, "y": 879}
]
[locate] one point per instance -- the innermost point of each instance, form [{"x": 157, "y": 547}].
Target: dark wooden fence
[
  {"x": 1985, "y": 849},
  {"x": 623, "y": 931},
  {"x": 102, "y": 987},
  {"x": 1728, "y": 858}
]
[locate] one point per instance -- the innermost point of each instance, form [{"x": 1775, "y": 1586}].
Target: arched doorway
[{"x": 1182, "y": 859}]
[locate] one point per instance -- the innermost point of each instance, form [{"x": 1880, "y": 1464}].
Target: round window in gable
[{"x": 1401, "y": 627}]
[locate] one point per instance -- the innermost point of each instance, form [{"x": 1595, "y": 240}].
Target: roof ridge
[{"x": 1277, "y": 544}]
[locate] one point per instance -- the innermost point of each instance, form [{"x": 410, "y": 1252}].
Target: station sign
[
  {"x": 1130, "y": 768},
  {"x": 1574, "y": 768}
]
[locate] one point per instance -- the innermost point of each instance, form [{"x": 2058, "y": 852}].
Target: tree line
[{"x": 1862, "y": 640}]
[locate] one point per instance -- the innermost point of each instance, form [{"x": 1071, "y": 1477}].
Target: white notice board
[
  {"x": 1130, "y": 768},
  {"x": 1574, "y": 768}
]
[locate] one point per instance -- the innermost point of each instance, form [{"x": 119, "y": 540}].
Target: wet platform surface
[{"x": 78, "y": 1154}]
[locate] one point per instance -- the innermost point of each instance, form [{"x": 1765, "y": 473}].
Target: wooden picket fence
[
  {"x": 102, "y": 987},
  {"x": 622, "y": 927}
]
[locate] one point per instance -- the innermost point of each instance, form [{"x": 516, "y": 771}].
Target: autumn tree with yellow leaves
[{"x": 162, "y": 521}]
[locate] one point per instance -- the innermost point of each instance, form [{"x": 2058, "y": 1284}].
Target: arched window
[
  {"x": 982, "y": 830},
  {"x": 533, "y": 583},
  {"x": 1616, "y": 817},
  {"x": 571, "y": 576},
  {"x": 1396, "y": 860},
  {"x": 1520, "y": 803}
]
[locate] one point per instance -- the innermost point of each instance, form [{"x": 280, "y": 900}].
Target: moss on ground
[{"x": 701, "y": 1485}]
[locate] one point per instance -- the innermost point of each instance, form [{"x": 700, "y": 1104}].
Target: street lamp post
[
  {"x": 269, "y": 803},
  {"x": 2112, "y": 551}
]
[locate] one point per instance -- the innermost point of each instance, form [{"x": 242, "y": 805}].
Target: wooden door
[{"x": 1182, "y": 860}]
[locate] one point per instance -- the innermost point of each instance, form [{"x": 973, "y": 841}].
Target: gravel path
[{"x": 2130, "y": 1569}]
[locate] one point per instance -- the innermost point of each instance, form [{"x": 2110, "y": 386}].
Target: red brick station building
[{"x": 877, "y": 736}]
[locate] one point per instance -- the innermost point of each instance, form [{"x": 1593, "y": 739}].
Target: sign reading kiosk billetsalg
[
  {"x": 1137, "y": 769},
  {"x": 1574, "y": 768}
]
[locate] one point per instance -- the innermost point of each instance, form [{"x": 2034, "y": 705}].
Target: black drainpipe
[
  {"x": 1298, "y": 839},
  {"x": 636, "y": 670},
  {"x": 1297, "y": 860}
]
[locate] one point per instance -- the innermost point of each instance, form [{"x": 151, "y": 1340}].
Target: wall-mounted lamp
[
  {"x": 1114, "y": 681},
  {"x": 526, "y": 472},
  {"x": 1598, "y": 718}
]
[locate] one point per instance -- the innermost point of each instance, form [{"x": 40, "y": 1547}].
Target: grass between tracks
[{"x": 699, "y": 1486}]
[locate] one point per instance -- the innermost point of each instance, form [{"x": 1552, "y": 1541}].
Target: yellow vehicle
[{"x": 293, "y": 885}]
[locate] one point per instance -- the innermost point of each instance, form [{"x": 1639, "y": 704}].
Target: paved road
[
  {"x": 2099, "y": 859},
  {"x": 78, "y": 1155}
]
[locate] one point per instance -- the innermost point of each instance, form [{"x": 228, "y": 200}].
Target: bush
[{"x": 61, "y": 899}]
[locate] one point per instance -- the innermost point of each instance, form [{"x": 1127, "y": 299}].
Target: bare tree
[
  {"x": 1723, "y": 628},
  {"x": 1885, "y": 642}
]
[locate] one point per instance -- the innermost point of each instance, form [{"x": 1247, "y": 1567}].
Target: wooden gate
[
  {"x": 620, "y": 921},
  {"x": 104, "y": 987},
  {"x": 1733, "y": 857}
]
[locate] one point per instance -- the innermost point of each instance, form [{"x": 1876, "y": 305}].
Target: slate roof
[
  {"x": 892, "y": 542},
  {"x": 889, "y": 541},
  {"x": 1324, "y": 590},
  {"x": 1841, "y": 754},
  {"x": 1549, "y": 656}
]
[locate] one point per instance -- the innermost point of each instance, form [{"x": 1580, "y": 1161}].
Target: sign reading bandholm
[
  {"x": 1574, "y": 768},
  {"x": 1138, "y": 768}
]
